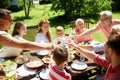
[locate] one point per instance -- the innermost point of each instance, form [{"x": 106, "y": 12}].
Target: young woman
[{"x": 43, "y": 35}]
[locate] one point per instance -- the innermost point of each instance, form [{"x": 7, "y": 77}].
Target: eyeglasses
[{"x": 104, "y": 18}]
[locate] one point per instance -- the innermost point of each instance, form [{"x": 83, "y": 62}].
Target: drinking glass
[{"x": 82, "y": 58}]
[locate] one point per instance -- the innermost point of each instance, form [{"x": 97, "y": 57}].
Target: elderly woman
[{"x": 80, "y": 29}]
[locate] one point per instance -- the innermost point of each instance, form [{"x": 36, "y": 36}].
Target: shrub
[{"x": 80, "y": 8}]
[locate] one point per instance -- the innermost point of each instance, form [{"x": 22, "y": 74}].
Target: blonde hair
[{"x": 116, "y": 28}]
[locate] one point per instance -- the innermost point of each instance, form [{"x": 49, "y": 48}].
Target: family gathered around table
[{"x": 74, "y": 56}]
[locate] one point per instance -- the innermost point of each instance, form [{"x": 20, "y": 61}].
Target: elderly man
[
  {"x": 112, "y": 52},
  {"x": 105, "y": 24},
  {"x": 8, "y": 40}
]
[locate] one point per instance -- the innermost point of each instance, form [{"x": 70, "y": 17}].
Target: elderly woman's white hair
[
  {"x": 79, "y": 20},
  {"x": 115, "y": 29}
]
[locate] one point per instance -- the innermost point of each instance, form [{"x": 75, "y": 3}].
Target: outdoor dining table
[{"x": 76, "y": 74}]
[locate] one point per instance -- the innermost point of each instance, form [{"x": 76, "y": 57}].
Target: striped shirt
[{"x": 56, "y": 74}]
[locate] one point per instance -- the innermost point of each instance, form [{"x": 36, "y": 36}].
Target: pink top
[
  {"x": 111, "y": 73},
  {"x": 56, "y": 74},
  {"x": 105, "y": 29},
  {"x": 84, "y": 38}
]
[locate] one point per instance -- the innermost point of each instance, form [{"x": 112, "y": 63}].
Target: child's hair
[
  {"x": 60, "y": 55},
  {"x": 40, "y": 30},
  {"x": 16, "y": 27}
]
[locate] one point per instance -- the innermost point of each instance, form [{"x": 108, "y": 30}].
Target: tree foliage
[
  {"x": 4, "y": 3},
  {"x": 79, "y": 8},
  {"x": 116, "y": 5}
]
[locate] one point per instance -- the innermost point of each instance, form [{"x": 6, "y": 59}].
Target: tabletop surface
[{"x": 74, "y": 73}]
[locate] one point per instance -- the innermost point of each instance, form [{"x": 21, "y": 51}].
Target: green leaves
[{"x": 80, "y": 8}]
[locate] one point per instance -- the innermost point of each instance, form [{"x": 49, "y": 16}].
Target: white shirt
[
  {"x": 98, "y": 48},
  {"x": 10, "y": 51},
  {"x": 40, "y": 38},
  {"x": 61, "y": 39}
]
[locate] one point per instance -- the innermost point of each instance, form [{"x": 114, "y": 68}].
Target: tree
[
  {"x": 4, "y": 3},
  {"x": 116, "y": 5},
  {"x": 78, "y": 8},
  {"x": 27, "y": 6}
]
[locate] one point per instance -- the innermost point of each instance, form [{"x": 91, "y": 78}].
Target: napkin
[{"x": 23, "y": 71}]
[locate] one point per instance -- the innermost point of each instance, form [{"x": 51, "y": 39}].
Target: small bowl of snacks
[{"x": 46, "y": 59}]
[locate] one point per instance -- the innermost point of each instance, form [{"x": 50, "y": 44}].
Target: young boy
[{"x": 57, "y": 64}]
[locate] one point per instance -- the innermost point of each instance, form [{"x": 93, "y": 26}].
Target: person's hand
[
  {"x": 71, "y": 43},
  {"x": 54, "y": 46},
  {"x": 73, "y": 36},
  {"x": 51, "y": 47}
]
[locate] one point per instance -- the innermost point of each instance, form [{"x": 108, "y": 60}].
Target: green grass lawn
[{"x": 40, "y": 12}]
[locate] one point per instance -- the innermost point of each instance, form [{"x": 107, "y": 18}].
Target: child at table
[
  {"x": 19, "y": 31},
  {"x": 60, "y": 37},
  {"x": 57, "y": 64}
]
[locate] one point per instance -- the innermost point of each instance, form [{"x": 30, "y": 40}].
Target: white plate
[
  {"x": 79, "y": 65},
  {"x": 43, "y": 52},
  {"x": 44, "y": 74}
]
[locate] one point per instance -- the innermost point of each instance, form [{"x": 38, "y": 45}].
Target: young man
[{"x": 112, "y": 52}]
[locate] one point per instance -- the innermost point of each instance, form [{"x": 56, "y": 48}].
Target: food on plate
[
  {"x": 2, "y": 72},
  {"x": 34, "y": 64},
  {"x": 21, "y": 59},
  {"x": 72, "y": 51},
  {"x": 9, "y": 65},
  {"x": 46, "y": 59}
]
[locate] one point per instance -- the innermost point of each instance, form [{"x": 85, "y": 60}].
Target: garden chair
[{"x": 86, "y": 24}]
